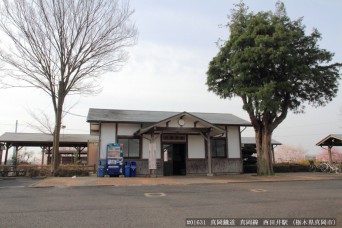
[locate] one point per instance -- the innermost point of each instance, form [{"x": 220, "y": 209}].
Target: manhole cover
[
  {"x": 258, "y": 190},
  {"x": 159, "y": 194}
]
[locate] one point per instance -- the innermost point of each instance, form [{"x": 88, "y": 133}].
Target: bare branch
[
  {"x": 41, "y": 122},
  {"x": 63, "y": 47}
]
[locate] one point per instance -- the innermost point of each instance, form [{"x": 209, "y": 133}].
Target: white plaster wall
[
  {"x": 146, "y": 148},
  {"x": 127, "y": 129},
  {"x": 188, "y": 122},
  {"x": 234, "y": 142},
  {"x": 174, "y": 123},
  {"x": 196, "y": 146},
  {"x": 107, "y": 136}
]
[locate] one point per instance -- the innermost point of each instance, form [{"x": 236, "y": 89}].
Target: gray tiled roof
[
  {"x": 251, "y": 140},
  {"x": 37, "y": 139},
  {"x": 134, "y": 116},
  {"x": 331, "y": 140}
]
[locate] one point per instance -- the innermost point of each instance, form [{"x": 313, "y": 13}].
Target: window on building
[
  {"x": 218, "y": 147},
  {"x": 131, "y": 147}
]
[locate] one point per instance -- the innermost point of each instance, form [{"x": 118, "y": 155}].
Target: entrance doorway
[{"x": 174, "y": 156}]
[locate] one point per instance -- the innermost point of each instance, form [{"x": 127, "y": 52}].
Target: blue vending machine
[{"x": 114, "y": 159}]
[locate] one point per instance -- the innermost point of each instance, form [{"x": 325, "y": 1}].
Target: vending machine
[{"x": 114, "y": 160}]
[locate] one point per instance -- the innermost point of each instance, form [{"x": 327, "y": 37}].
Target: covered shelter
[
  {"x": 44, "y": 141},
  {"x": 248, "y": 146},
  {"x": 330, "y": 141}
]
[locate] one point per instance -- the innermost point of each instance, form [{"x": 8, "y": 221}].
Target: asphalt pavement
[{"x": 171, "y": 206}]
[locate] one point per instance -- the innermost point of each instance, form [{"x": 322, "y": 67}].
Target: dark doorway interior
[{"x": 174, "y": 159}]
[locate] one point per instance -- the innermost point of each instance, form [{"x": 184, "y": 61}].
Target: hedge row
[
  {"x": 61, "y": 172},
  {"x": 71, "y": 172},
  {"x": 279, "y": 168}
]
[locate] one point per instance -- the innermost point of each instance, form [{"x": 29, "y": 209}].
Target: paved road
[
  {"x": 167, "y": 206},
  {"x": 10, "y": 183}
]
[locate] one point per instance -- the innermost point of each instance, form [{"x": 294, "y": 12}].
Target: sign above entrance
[{"x": 174, "y": 138}]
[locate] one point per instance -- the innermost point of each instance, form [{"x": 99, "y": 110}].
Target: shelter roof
[
  {"x": 251, "y": 141},
  {"x": 135, "y": 116},
  {"x": 331, "y": 140},
  {"x": 40, "y": 139}
]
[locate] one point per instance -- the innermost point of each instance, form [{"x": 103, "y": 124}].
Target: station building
[{"x": 172, "y": 143}]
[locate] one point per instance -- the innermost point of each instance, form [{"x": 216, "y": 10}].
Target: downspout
[{"x": 99, "y": 144}]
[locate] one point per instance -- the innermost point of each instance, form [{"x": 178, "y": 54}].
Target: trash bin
[
  {"x": 133, "y": 169},
  {"x": 127, "y": 169},
  {"x": 101, "y": 168}
]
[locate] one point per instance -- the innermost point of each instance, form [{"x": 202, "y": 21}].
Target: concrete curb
[{"x": 61, "y": 182}]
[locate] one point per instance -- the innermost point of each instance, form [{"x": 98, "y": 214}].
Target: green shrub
[
  {"x": 281, "y": 168},
  {"x": 70, "y": 172},
  {"x": 38, "y": 172},
  {"x": 286, "y": 168}
]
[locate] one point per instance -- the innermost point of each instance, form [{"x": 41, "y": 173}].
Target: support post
[
  {"x": 6, "y": 153},
  {"x": 152, "y": 158},
  {"x": 48, "y": 162},
  {"x": 2, "y": 147},
  {"x": 207, "y": 139},
  {"x": 330, "y": 155},
  {"x": 43, "y": 150},
  {"x": 210, "y": 173}
]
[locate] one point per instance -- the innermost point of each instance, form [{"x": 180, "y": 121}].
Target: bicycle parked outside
[{"x": 325, "y": 167}]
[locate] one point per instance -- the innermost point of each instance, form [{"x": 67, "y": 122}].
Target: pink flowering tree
[
  {"x": 287, "y": 153},
  {"x": 336, "y": 155}
]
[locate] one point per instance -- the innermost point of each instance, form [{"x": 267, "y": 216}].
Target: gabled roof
[
  {"x": 331, "y": 140},
  {"x": 213, "y": 129},
  {"x": 40, "y": 139},
  {"x": 135, "y": 116}
]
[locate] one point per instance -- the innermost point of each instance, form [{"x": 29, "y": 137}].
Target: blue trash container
[
  {"x": 127, "y": 169},
  {"x": 101, "y": 167},
  {"x": 133, "y": 169}
]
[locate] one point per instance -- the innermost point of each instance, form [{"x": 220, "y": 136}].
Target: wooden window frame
[
  {"x": 132, "y": 137},
  {"x": 215, "y": 152}
]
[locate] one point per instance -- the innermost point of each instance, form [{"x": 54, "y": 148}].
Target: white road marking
[
  {"x": 159, "y": 194},
  {"x": 258, "y": 190}
]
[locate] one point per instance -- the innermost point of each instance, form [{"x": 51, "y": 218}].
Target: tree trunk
[
  {"x": 55, "y": 145},
  {"x": 56, "y": 133},
  {"x": 263, "y": 146}
]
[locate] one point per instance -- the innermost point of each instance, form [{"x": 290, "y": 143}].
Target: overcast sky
[{"x": 167, "y": 69}]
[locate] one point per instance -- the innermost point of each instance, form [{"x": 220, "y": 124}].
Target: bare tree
[
  {"x": 41, "y": 122},
  {"x": 25, "y": 157},
  {"x": 62, "y": 47}
]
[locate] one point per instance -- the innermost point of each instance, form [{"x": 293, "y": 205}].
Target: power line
[{"x": 73, "y": 114}]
